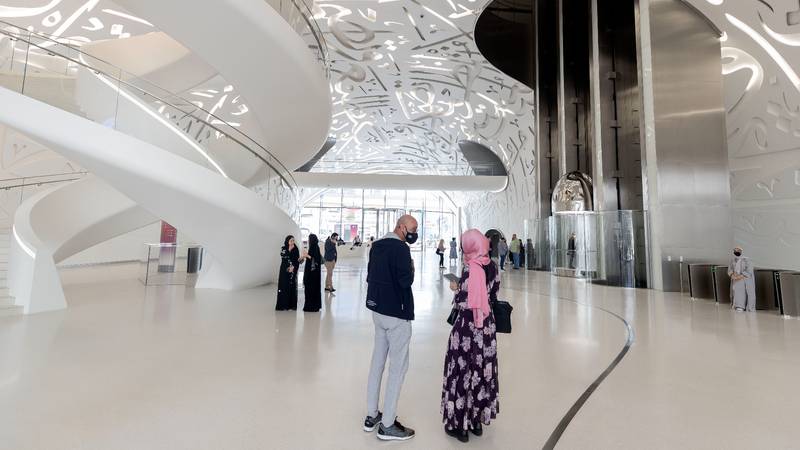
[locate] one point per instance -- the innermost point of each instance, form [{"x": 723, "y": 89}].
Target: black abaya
[
  {"x": 287, "y": 282},
  {"x": 312, "y": 282}
]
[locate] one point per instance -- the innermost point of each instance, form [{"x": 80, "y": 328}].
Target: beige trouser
[{"x": 329, "y": 265}]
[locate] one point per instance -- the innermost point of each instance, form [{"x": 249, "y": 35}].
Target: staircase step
[
  {"x": 6, "y": 301},
  {"x": 6, "y": 311}
]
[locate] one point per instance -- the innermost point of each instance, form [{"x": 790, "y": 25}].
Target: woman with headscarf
[
  {"x": 743, "y": 284},
  {"x": 287, "y": 277},
  {"x": 312, "y": 276},
  {"x": 470, "y": 387}
]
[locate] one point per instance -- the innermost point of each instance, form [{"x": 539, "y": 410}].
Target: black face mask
[
  {"x": 411, "y": 237},
  {"x": 737, "y": 253}
]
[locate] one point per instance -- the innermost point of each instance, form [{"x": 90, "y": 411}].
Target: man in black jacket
[{"x": 390, "y": 274}]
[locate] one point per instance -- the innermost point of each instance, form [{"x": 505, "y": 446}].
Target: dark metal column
[
  {"x": 619, "y": 107},
  {"x": 575, "y": 36},
  {"x": 547, "y": 80}
]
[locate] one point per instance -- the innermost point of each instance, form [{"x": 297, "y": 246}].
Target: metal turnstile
[
  {"x": 766, "y": 292},
  {"x": 788, "y": 283},
  {"x": 701, "y": 281},
  {"x": 722, "y": 284}
]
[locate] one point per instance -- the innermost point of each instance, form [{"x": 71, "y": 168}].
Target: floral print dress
[{"x": 470, "y": 387}]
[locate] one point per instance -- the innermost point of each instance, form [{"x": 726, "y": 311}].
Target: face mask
[
  {"x": 737, "y": 253},
  {"x": 411, "y": 237}
]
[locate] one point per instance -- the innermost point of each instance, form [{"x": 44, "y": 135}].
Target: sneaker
[
  {"x": 396, "y": 432},
  {"x": 371, "y": 422},
  {"x": 740, "y": 309}
]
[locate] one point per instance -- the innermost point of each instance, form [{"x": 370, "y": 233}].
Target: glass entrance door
[
  {"x": 387, "y": 218},
  {"x": 371, "y": 221}
]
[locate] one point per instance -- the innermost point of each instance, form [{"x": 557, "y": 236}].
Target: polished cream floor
[{"x": 128, "y": 367}]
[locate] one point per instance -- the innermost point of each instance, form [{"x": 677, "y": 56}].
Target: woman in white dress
[{"x": 743, "y": 283}]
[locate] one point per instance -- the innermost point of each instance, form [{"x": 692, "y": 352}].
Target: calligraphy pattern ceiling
[{"x": 408, "y": 83}]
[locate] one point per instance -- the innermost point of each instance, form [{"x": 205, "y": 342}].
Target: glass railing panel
[
  {"x": 12, "y": 62},
  {"x": 299, "y": 14}
]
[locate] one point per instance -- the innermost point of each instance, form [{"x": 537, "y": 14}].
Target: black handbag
[
  {"x": 500, "y": 309},
  {"x": 451, "y": 319},
  {"x": 502, "y": 315}
]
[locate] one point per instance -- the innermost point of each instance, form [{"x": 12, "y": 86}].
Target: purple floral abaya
[{"x": 470, "y": 388}]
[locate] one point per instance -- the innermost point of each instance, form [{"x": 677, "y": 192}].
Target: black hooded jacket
[{"x": 390, "y": 274}]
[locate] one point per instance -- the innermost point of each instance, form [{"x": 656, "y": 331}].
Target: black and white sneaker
[
  {"x": 396, "y": 432},
  {"x": 371, "y": 422}
]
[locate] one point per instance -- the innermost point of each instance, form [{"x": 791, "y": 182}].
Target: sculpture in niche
[{"x": 573, "y": 193}]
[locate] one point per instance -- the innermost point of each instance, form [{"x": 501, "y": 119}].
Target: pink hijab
[{"x": 476, "y": 255}]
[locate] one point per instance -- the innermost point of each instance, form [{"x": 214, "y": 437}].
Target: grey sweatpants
[{"x": 392, "y": 336}]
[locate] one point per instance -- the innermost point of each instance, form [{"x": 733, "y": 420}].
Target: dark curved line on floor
[
  {"x": 559, "y": 430},
  {"x": 555, "y": 436}
]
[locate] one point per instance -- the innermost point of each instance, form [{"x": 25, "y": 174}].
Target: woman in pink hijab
[{"x": 470, "y": 386}]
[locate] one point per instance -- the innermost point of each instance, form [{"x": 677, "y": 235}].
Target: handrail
[
  {"x": 73, "y": 176},
  {"x": 78, "y": 172},
  {"x": 286, "y": 175},
  {"x": 316, "y": 31}
]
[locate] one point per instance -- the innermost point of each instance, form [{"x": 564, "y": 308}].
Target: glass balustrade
[
  {"x": 299, "y": 14},
  {"x": 606, "y": 247},
  {"x": 61, "y": 75}
]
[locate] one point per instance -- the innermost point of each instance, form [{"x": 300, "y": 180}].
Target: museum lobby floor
[{"x": 129, "y": 367}]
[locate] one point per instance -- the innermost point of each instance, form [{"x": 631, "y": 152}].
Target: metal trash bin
[
  {"x": 789, "y": 284},
  {"x": 701, "y": 281},
  {"x": 722, "y": 284},
  {"x": 194, "y": 259},
  {"x": 766, "y": 293}
]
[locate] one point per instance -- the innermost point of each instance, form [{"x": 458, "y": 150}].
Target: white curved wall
[
  {"x": 761, "y": 64},
  {"x": 155, "y": 57},
  {"x": 398, "y": 181},
  {"x": 99, "y": 99},
  {"x": 254, "y": 48}
]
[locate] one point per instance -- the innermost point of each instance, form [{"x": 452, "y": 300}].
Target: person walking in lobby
[
  {"x": 743, "y": 285},
  {"x": 390, "y": 274},
  {"x": 440, "y": 251},
  {"x": 503, "y": 250},
  {"x": 572, "y": 250},
  {"x": 312, "y": 276},
  {"x": 330, "y": 260},
  {"x": 287, "y": 276},
  {"x": 453, "y": 252},
  {"x": 470, "y": 389},
  {"x": 514, "y": 248}
]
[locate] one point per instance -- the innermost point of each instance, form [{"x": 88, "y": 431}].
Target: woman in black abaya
[
  {"x": 287, "y": 277},
  {"x": 312, "y": 277}
]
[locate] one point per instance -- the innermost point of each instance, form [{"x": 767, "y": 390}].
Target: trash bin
[
  {"x": 701, "y": 281},
  {"x": 789, "y": 282},
  {"x": 766, "y": 294},
  {"x": 722, "y": 284},
  {"x": 194, "y": 259}
]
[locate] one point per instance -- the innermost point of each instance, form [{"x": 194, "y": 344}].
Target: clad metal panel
[{"x": 690, "y": 205}]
